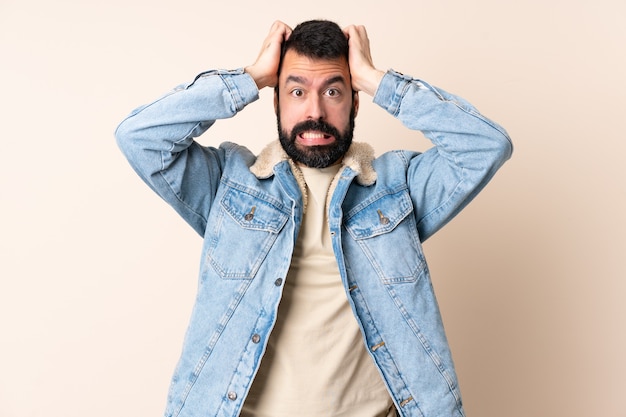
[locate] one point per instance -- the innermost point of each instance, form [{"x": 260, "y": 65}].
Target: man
[{"x": 314, "y": 297}]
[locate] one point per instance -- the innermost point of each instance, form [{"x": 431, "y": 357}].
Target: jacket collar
[{"x": 359, "y": 158}]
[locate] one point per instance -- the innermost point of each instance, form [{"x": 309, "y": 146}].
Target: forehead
[{"x": 296, "y": 65}]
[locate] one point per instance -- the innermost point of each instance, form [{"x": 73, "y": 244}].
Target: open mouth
[{"x": 313, "y": 138}]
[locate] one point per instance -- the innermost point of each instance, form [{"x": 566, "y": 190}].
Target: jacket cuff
[
  {"x": 241, "y": 86},
  {"x": 392, "y": 89}
]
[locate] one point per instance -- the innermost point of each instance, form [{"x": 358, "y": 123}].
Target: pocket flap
[
  {"x": 253, "y": 212},
  {"x": 380, "y": 216}
]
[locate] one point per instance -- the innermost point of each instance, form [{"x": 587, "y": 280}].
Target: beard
[{"x": 319, "y": 156}]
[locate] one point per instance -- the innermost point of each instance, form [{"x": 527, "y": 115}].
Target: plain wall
[{"x": 97, "y": 275}]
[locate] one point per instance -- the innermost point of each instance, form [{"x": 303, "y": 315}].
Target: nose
[{"x": 315, "y": 109}]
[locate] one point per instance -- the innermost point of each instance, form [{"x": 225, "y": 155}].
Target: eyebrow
[{"x": 302, "y": 80}]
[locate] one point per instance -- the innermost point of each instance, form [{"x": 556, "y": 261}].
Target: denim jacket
[{"x": 249, "y": 210}]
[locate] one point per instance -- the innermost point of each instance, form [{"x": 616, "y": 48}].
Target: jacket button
[
  {"x": 256, "y": 338},
  {"x": 278, "y": 282},
  {"x": 232, "y": 395}
]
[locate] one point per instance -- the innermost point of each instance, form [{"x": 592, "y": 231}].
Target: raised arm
[
  {"x": 469, "y": 148},
  {"x": 158, "y": 138}
]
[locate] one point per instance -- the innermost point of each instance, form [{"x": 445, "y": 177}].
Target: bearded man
[{"x": 314, "y": 297}]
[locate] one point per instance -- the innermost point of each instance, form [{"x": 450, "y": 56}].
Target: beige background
[{"x": 97, "y": 276}]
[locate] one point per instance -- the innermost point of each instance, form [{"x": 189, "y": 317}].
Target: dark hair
[{"x": 317, "y": 39}]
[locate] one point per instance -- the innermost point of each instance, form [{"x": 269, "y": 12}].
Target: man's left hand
[{"x": 365, "y": 76}]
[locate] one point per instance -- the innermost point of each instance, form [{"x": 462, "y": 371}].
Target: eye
[
  {"x": 297, "y": 92},
  {"x": 333, "y": 92}
]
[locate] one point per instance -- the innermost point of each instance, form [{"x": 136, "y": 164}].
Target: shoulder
[{"x": 394, "y": 161}]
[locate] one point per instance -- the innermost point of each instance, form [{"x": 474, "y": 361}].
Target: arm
[
  {"x": 158, "y": 138},
  {"x": 469, "y": 148}
]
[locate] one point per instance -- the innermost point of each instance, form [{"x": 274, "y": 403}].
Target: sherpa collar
[{"x": 359, "y": 158}]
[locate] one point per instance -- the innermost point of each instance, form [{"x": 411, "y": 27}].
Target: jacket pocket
[
  {"x": 246, "y": 228},
  {"x": 386, "y": 231}
]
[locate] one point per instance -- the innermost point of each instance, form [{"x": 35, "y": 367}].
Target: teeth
[{"x": 313, "y": 135}]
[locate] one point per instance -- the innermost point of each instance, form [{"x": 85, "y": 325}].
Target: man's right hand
[{"x": 265, "y": 70}]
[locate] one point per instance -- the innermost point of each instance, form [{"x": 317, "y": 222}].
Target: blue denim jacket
[{"x": 249, "y": 210}]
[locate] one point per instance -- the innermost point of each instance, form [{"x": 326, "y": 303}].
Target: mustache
[{"x": 317, "y": 125}]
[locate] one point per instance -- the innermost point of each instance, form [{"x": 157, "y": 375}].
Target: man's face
[{"x": 315, "y": 107}]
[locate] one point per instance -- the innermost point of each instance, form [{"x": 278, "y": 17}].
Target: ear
[
  {"x": 355, "y": 102},
  {"x": 276, "y": 101}
]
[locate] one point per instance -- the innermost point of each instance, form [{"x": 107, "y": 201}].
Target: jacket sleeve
[
  {"x": 158, "y": 140},
  {"x": 469, "y": 148}
]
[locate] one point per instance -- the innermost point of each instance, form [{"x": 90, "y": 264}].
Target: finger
[
  {"x": 280, "y": 29},
  {"x": 347, "y": 30},
  {"x": 275, "y": 36},
  {"x": 286, "y": 30},
  {"x": 352, "y": 30}
]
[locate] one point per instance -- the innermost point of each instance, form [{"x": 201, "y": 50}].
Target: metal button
[
  {"x": 232, "y": 395},
  {"x": 377, "y": 346},
  {"x": 256, "y": 338},
  {"x": 405, "y": 402},
  {"x": 278, "y": 282},
  {"x": 248, "y": 217},
  {"x": 383, "y": 219}
]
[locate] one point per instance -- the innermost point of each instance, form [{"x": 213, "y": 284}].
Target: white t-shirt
[{"x": 316, "y": 363}]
